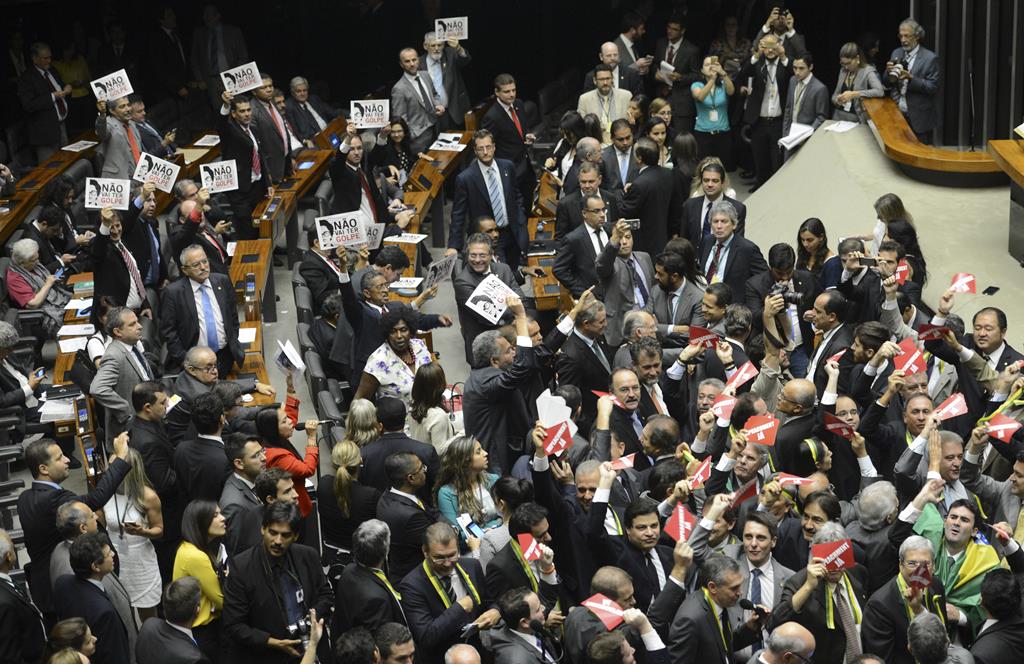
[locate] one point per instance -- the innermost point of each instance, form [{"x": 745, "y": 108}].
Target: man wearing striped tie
[{"x": 238, "y": 142}]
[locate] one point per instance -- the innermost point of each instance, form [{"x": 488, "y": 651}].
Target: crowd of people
[{"x": 782, "y": 456}]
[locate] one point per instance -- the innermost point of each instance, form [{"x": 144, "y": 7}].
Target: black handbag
[{"x": 83, "y": 370}]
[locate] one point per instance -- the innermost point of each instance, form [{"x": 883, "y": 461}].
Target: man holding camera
[{"x": 912, "y": 77}]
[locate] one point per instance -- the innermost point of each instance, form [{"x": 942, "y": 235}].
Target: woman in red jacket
[{"x": 275, "y": 427}]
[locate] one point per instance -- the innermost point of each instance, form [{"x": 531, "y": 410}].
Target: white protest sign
[
  {"x": 489, "y": 298},
  {"x": 441, "y": 270},
  {"x": 160, "y": 172},
  {"x": 456, "y": 27},
  {"x": 374, "y": 234},
  {"x": 370, "y": 113},
  {"x": 220, "y": 176},
  {"x": 112, "y": 86},
  {"x": 288, "y": 359},
  {"x": 242, "y": 78},
  {"x": 107, "y": 192},
  {"x": 345, "y": 229}
]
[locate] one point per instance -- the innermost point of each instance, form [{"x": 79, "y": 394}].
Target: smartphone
[
  {"x": 133, "y": 524},
  {"x": 713, "y": 59},
  {"x": 867, "y": 262},
  {"x": 991, "y": 290},
  {"x": 59, "y": 274},
  {"x": 40, "y": 373},
  {"x": 634, "y": 224}
]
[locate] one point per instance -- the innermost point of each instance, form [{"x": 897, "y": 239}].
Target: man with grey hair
[
  {"x": 929, "y": 643},
  {"x": 492, "y": 401},
  {"x": 827, "y": 601},
  {"x": 938, "y": 454},
  {"x": 588, "y": 151},
  {"x": 584, "y": 360},
  {"x": 724, "y": 362},
  {"x": 886, "y": 616},
  {"x": 18, "y": 382},
  {"x": 913, "y": 77},
  {"x": 478, "y": 264},
  {"x": 120, "y": 141},
  {"x": 196, "y": 225},
  {"x": 122, "y": 367},
  {"x": 877, "y": 508},
  {"x": 306, "y": 112},
  {"x": 44, "y": 100},
  {"x": 462, "y": 653},
  {"x": 364, "y": 597},
  {"x": 789, "y": 643},
  {"x": 725, "y": 256},
  {"x": 636, "y": 324},
  {"x": 444, "y": 61},
  {"x": 22, "y": 631}
]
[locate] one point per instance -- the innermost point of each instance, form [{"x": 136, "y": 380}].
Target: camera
[
  {"x": 300, "y": 630},
  {"x": 898, "y": 68},
  {"x": 789, "y": 296}
]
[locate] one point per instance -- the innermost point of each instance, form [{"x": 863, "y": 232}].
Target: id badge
[
  {"x": 713, "y": 115},
  {"x": 299, "y": 595}
]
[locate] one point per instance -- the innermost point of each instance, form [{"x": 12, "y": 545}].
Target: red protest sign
[
  {"x": 921, "y": 578},
  {"x": 742, "y": 376},
  {"x": 606, "y": 609},
  {"x": 1002, "y": 427},
  {"x": 680, "y": 524},
  {"x": 785, "y": 478},
  {"x": 615, "y": 399},
  {"x": 722, "y": 406},
  {"x": 835, "y": 358},
  {"x": 623, "y": 462},
  {"x": 902, "y": 271},
  {"x": 929, "y": 332},
  {"x": 761, "y": 429},
  {"x": 911, "y": 360},
  {"x": 838, "y": 427},
  {"x": 954, "y": 406},
  {"x": 529, "y": 546},
  {"x": 748, "y": 491},
  {"x": 963, "y": 282},
  {"x": 702, "y": 474},
  {"x": 557, "y": 439},
  {"x": 837, "y": 555},
  {"x": 701, "y": 336}
]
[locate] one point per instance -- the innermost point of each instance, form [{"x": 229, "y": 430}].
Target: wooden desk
[
  {"x": 257, "y": 345},
  {"x": 302, "y": 181},
  {"x": 1009, "y": 154},
  {"x": 547, "y": 292},
  {"x": 335, "y": 127},
  {"x": 547, "y": 195},
  {"x": 271, "y": 222},
  {"x": 925, "y": 162},
  {"x": 18, "y": 208},
  {"x": 260, "y": 265}
]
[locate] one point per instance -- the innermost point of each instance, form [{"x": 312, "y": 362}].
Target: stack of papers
[
  {"x": 78, "y": 303},
  {"x": 79, "y": 146},
  {"x": 76, "y": 330},
  {"x": 56, "y": 410},
  {"x": 798, "y": 133}
]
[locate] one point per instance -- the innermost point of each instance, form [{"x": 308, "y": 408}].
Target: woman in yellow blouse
[{"x": 201, "y": 555}]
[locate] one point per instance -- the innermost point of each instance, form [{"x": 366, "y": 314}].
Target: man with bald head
[
  {"x": 414, "y": 99},
  {"x": 789, "y": 643},
  {"x": 196, "y": 226},
  {"x": 588, "y": 151},
  {"x": 582, "y": 626},
  {"x": 462, "y": 653},
  {"x": 797, "y": 413},
  {"x": 623, "y": 78}
]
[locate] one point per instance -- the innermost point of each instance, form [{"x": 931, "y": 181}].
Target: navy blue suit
[
  {"x": 473, "y": 201},
  {"x": 435, "y": 627}
]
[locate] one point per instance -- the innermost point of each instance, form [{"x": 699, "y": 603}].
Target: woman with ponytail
[{"x": 343, "y": 502}]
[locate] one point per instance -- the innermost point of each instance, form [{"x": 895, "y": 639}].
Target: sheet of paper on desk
[
  {"x": 208, "y": 141},
  {"x": 72, "y": 345},
  {"x": 191, "y": 155},
  {"x": 82, "y": 330},
  {"x": 408, "y": 238},
  {"x": 407, "y": 283},
  {"x": 841, "y": 126},
  {"x": 246, "y": 335},
  {"x": 78, "y": 303},
  {"x": 79, "y": 146},
  {"x": 55, "y": 410},
  {"x": 231, "y": 248},
  {"x": 447, "y": 147}
]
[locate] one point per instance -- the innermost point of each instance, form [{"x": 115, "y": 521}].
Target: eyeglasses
[
  {"x": 441, "y": 560},
  {"x": 918, "y": 564},
  {"x": 596, "y": 210},
  {"x": 197, "y": 264},
  {"x": 207, "y": 369}
]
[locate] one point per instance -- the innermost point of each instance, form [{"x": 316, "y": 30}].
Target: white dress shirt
[
  {"x": 493, "y": 168},
  {"x": 222, "y": 338}
]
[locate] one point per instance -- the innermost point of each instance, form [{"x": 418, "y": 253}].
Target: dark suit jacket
[
  {"x": 922, "y": 90},
  {"x": 508, "y": 144},
  {"x": 362, "y": 600},
  {"x": 140, "y": 243},
  {"x": 575, "y": 262},
  {"x": 35, "y": 93},
  {"x": 687, "y": 61},
  {"x": 577, "y": 365},
  {"x": 203, "y": 466},
  {"x": 22, "y": 632},
  {"x": 154, "y": 444},
  {"x": 648, "y": 200},
  {"x": 48, "y": 249},
  {"x": 182, "y": 233},
  {"x": 993, "y": 644},
  {"x": 394, "y": 442},
  {"x": 612, "y": 175},
  {"x": 302, "y": 120},
  {"x": 830, "y": 643},
  {"x": 114, "y": 278},
  {"x": 168, "y": 64},
  {"x": 843, "y": 338},
  {"x": 320, "y": 278},
  {"x": 569, "y": 211},
  {"x": 454, "y": 87},
  {"x": 37, "y": 511},
  {"x": 465, "y": 281},
  {"x": 253, "y": 605},
  {"x": 814, "y": 105},
  {"x": 759, "y": 72},
  {"x": 79, "y": 598},
  {"x": 504, "y": 572},
  {"x": 160, "y": 643},
  {"x": 864, "y": 298},
  {"x": 884, "y": 627},
  {"x": 616, "y": 287},
  {"x": 472, "y": 201},
  {"x": 271, "y": 141},
  {"x": 407, "y": 521},
  {"x": 803, "y": 282},
  {"x": 179, "y": 320},
  {"x": 348, "y": 190},
  {"x": 744, "y": 262},
  {"x": 694, "y": 635},
  {"x": 243, "y": 512},
  {"x": 236, "y": 144},
  {"x": 337, "y": 528},
  {"x": 434, "y": 627},
  {"x": 691, "y": 222}
]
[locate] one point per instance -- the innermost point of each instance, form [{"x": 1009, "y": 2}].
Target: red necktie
[
  {"x": 255, "y": 155},
  {"x": 713, "y": 268},
  {"x": 133, "y": 269},
  {"x": 62, "y": 106},
  {"x": 515, "y": 120},
  {"x": 212, "y": 239},
  {"x": 132, "y": 142},
  {"x": 366, "y": 190},
  {"x": 670, "y": 58},
  {"x": 277, "y": 122}
]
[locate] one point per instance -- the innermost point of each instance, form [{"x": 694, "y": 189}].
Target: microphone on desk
[{"x": 750, "y": 606}]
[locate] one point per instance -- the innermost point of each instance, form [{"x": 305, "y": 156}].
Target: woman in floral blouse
[{"x": 391, "y": 369}]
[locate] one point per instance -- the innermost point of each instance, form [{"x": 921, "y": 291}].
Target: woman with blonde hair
[
  {"x": 344, "y": 502},
  {"x": 464, "y": 487},
  {"x": 857, "y": 80},
  {"x": 134, "y": 520},
  {"x": 361, "y": 425},
  {"x": 889, "y": 207}
]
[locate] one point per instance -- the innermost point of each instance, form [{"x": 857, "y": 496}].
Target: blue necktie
[
  {"x": 436, "y": 74},
  {"x": 154, "y": 250},
  {"x": 211, "y": 320},
  {"x": 639, "y": 281},
  {"x": 497, "y": 199},
  {"x": 623, "y": 167},
  {"x": 705, "y": 229},
  {"x": 142, "y": 363},
  {"x": 755, "y": 597}
]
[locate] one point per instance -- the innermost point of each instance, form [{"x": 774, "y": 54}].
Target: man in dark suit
[
  {"x": 832, "y": 335},
  {"x": 391, "y": 415},
  {"x": 37, "y": 505},
  {"x": 520, "y": 639},
  {"x": 685, "y": 59},
  {"x": 807, "y": 101},
  {"x": 216, "y": 47},
  {"x": 512, "y": 138},
  {"x": 575, "y": 263},
  {"x": 355, "y": 188},
  {"x": 194, "y": 226},
  {"x": 200, "y": 309},
  {"x": 625, "y": 277},
  {"x": 46, "y": 231},
  {"x": 861, "y": 285},
  {"x": 623, "y": 78},
  {"x": 238, "y": 502},
  {"x": 493, "y": 405},
  {"x": 321, "y": 272},
  {"x": 153, "y": 141},
  {"x": 617, "y": 160},
  {"x": 202, "y": 462},
  {"x": 306, "y": 112},
  {"x": 770, "y": 71},
  {"x": 726, "y": 256},
  {"x": 486, "y": 188},
  {"x": 141, "y": 230},
  {"x": 701, "y": 630},
  {"x": 364, "y": 597},
  {"x": 914, "y": 77},
  {"x": 633, "y": 29},
  {"x": 239, "y": 142},
  {"x": 81, "y": 596},
  {"x": 569, "y": 210},
  {"x": 782, "y": 273},
  {"x": 585, "y": 361},
  {"x": 44, "y": 99},
  {"x": 168, "y": 60},
  {"x": 120, "y": 278},
  {"x": 648, "y": 198},
  {"x": 22, "y": 631},
  {"x": 274, "y": 585},
  {"x": 694, "y": 212},
  {"x": 506, "y": 572},
  {"x": 1000, "y": 597},
  {"x": 169, "y": 640},
  {"x": 271, "y": 132},
  {"x": 406, "y": 515},
  {"x": 117, "y": 52},
  {"x": 676, "y": 302},
  {"x": 443, "y": 596},
  {"x": 443, "y": 63}
]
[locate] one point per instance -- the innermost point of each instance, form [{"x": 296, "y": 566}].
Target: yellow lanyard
[
  {"x": 526, "y": 567},
  {"x": 440, "y": 591},
  {"x": 1014, "y": 400},
  {"x": 380, "y": 575},
  {"x": 718, "y": 621},
  {"x": 618, "y": 524},
  {"x": 910, "y": 439},
  {"x": 830, "y": 618},
  {"x": 902, "y": 585}
]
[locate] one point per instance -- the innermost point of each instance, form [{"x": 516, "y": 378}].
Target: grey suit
[
  {"x": 408, "y": 104},
  {"x": 112, "y": 386},
  {"x": 688, "y": 311},
  {"x": 615, "y": 280},
  {"x": 1005, "y": 505},
  {"x": 242, "y": 510},
  {"x": 866, "y": 82},
  {"x": 118, "y": 160},
  {"x": 509, "y": 648},
  {"x": 922, "y": 89},
  {"x": 813, "y": 104}
]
